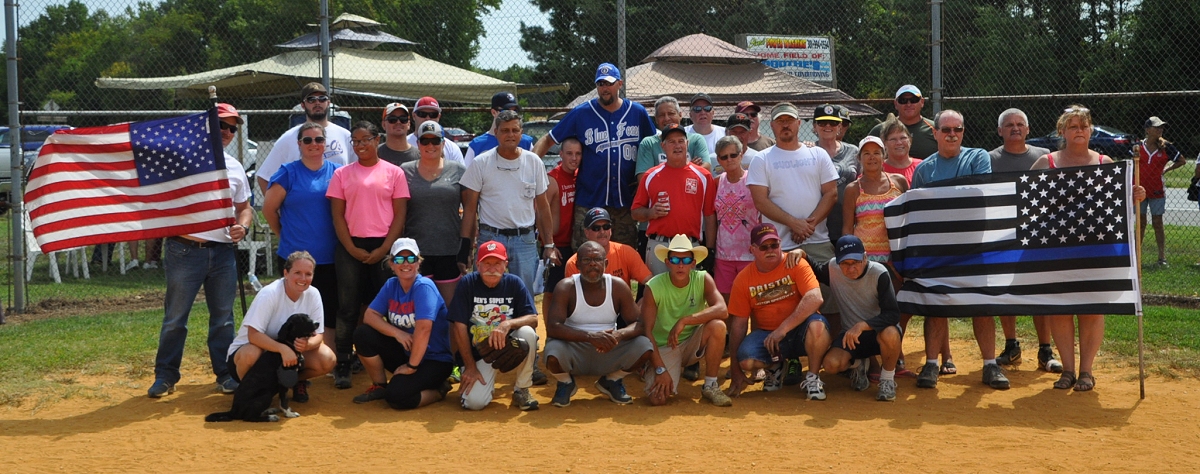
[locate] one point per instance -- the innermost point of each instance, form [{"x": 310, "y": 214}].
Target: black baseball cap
[
  {"x": 594, "y": 215},
  {"x": 504, "y": 100}
]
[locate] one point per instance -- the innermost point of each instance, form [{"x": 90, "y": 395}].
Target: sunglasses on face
[
  {"x": 598, "y": 228},
  {"x": 430, "y": 141},
  {"x": 828, "y": 123},
  {"x": 317, "y": 98},
  {"x": 310, "y": 140},
  {"x": 751, "y": 114},
  {"x": 908, "y": 100},
  {"x": 766, "y": 247},
  {"x": 362, "y": 142},
  {"x": 702, "y": 108},
  {"x": 231, "y": 128},
  {"x": 428, "y": 115},
  {"x": 405, "y": 259},
  {"x": 397, "y": 118},
  {"x": 727, "y": 157},
  {"x": 947, "y": 130},
  {"x": 673, "y": 260}
]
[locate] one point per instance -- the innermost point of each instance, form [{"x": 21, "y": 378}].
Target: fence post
[
  {"x": 621, "y": 43},
  {"x": 16, "y": 196},
  {"x": 935, "y": 40},
  {"x": 324, "y": 40}
]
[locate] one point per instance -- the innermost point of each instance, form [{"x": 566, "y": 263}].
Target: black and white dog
[{"x": 268, "y": 377}]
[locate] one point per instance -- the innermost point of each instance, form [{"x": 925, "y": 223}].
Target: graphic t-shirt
[
  {"x": 769, "y": 298},
  {"x": 482, "y": 308},
  {"x": 736, "y": 215},
  {"x": 422, "y": 302}
]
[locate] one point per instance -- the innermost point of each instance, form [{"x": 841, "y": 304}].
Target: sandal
[
  {"x": 1065, "y": 381},
  {"x": 1086, "y": 382},
  {"x": 948, "y": 368}
]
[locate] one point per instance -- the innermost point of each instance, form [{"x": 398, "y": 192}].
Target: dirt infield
[{"x": 962, "y": 426}]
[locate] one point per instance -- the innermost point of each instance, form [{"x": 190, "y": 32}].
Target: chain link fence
[{"x": 108, "y": 61}]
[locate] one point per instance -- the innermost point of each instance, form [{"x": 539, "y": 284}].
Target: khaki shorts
[{"x": 688, "y": 352}]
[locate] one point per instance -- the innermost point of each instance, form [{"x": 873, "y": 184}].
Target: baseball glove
[{"x": 511, "y": 356}]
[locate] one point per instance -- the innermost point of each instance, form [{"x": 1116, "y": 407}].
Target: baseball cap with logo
[
  {"x": 607, "y": 73},
  {"x": 785, "y": 108},
  {"x": 738, "y": 120},
  {"x": 1154, "y": 122},
  {"x": 849, "y": 247},
  {"x": 312, "y": 88},
  {"x": 492, "y": 248},
  {"x": 392, "y": 107},
  {"x": 745, "y": 106},
  {"x": 226, "y": 110},
  {"x": 844, "y": 113},
  {"x": 871, "y": 139},
  {"x": 429, "y": 128},
  {"x": 504, "y": 100},
  {"x": 405, "y": 244},
  {"x": 427, "y": 103},
  {"x": 673, "y": 128},
  {"x": 594, "y": 215},
  {"x": 762, "y": 233},
  {"x": 908, "y": 89},
  {"x": 826, "y": 112},
  {"x": 701, "y": 96}
]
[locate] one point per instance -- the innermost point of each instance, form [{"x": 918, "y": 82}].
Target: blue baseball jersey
[
  {"x": 610, "y": 145},
  {"x": 486, "y": 142}
]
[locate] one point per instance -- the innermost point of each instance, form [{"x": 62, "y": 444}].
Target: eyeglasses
[
  {"x": 363, "y": 141},
  {"x": 908, "y": 100},
  {"x": 428, "y": 115},
  {"x": 766, "y": 247},
  {"x": 828, "y": 123},
  {"x": 702, "y": 108},
  {"x": 592, "y": 261},
  {"x": 598, "y": 228},
  {"x": 312, "y": 99},
  {"x": 405, "y": 259},
  {"x": 727, "y": 157},
  {"x": 397, "y": 118},
  {"x": 231, "y": 128},
  {"x": 673, "y": 260},
  {"x": 310, "y": 140},
  {"x": 947, "y": 130}
]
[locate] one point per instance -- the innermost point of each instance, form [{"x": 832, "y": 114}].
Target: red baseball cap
[
  {"x": 745, "y": 105},
  {"x": 226, "y": 110},
  {"x": 492, "y": 248},
  {"x": 427, "y": 103},
  {"x": 762, "y": 233}
]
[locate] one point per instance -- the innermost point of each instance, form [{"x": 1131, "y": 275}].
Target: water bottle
[{"x": 255, "y": 283}]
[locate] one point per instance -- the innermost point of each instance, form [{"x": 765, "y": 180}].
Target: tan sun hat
[{"x": 680, "y": 243}]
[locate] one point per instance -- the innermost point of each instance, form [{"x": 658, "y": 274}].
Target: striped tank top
[{"x": 869, "y": 225}]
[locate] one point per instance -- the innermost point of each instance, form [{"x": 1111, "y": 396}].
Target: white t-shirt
[
  {"x": 711, "y": 139},
  {"x": 506, "y": 187},
  {"x": 239, "y": 188},
  {"x": 272, "y": 307},
  {"x": 794, "y": 179},
  {"x": 450, "y": 150},
  {"x": 286, "y": 150}
]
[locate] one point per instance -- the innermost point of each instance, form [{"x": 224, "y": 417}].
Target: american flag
[
  {"x": 1051, "y": 241},
  {"x": 126, "y": 182}
]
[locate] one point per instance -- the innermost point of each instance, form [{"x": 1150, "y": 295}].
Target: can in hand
[{"x": 665, "y": 200}]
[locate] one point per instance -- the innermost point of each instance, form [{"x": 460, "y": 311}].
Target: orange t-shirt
[
  {"x": 623, "y": 262},
  {"x": 769, "y": 298}
]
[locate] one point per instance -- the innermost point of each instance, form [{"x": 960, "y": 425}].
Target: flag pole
[
  {"x": 1138, "y": 236},
  {"x": 212, "y": 96}
]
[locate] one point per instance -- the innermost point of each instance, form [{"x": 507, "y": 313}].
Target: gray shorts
[
  {"x": 688, "y": 352},
  {"x": 581, "y": 358}
]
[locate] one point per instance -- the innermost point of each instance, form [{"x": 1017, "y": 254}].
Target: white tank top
[{"x": 593, "y": 318}]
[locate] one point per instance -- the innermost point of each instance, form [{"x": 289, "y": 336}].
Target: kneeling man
[{"x": 582, "y": 329}]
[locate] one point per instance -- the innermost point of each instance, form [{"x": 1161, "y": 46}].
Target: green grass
[
  {"x": 1181, "y": 177},
  {"x": 1180, "y": 277}
]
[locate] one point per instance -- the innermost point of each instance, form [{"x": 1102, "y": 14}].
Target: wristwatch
[{"x": 660, "y": 370}]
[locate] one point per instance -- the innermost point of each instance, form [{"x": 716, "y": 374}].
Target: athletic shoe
[
  {"x": 887, "y": 391},
  {"x": 714, "y": 394},
  {"x": 615, "y": 389},
  {"x": 859, "y": 379},
  {"x": 929, "y": 376},
  {"x": 341, "y": 375},
  {"x": 300, "y": 392},
  {"x": 691, "y": 372},
  {"x": 814, "y": 386},
  {"x": 774, "y": 380},
  {"x": 445, "y": 388},
  {"x": 563, "y": 393},
  {"x": 792, "y": 374},
  {"x": 374, "y": 392},
  {"x": 456, "y": 374},
  {"x": 539, "y": 378},
  {"x": 149, "y": 265},
  {"x": 1048, "y": 362},
  {"x": 226, "y": 385},
  {"x": 132, "y": 265},
  {"x": 160, "y": 389},
  {"x": 993, "y": 376},
  {"x": 1011, "y": 354},
  {"x": 356, "y": 366},
  {"x": 523, "y": 400}
]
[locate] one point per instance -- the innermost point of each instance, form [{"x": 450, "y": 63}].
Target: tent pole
[{"x": 325, "y": 46}]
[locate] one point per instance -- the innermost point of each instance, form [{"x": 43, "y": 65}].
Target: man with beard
[{"x": 316, "y": 102}]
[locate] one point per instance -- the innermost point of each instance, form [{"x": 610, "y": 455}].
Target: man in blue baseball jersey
[{"x": 610, "y": 129}]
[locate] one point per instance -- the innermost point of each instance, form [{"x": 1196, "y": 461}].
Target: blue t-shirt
[
  {"x": 305, "y": 215},
  {"x": 610, "y": 148},
  {"x": 423, "y": 302},
  {"x": 936, "y": 168},
  {"x": 486, "y": 142},
  {"x": 480, "y": 307}
]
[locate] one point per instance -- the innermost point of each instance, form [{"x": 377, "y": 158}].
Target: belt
[
  {"x": 200, "y": 245},
  {"x": 506, "y": 232}
]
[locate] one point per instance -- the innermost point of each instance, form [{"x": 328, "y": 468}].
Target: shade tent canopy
[
  {"x": 387, "y": 73},
  {"x": 342, "y": 34},
  {"x": 701, "y": 48}
]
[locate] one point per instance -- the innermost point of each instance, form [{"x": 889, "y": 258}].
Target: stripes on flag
[
  {"x": 134, "y": 181},
  {"x": 1053, "y": 241}
]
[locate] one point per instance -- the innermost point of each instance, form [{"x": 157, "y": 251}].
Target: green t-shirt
[
  {"x": 676, "y": 303},
  {"x": 650, "y": 152}
]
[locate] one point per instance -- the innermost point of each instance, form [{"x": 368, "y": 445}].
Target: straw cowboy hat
[{"x": 680, "y": 243}]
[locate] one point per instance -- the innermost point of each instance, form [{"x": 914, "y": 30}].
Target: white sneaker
[
  {"x": 814, "y": 387},
  {"x": 859, "y": 379},
  {"x": 132, "y": 265},
  {"x": 149, "y": 265},
  {"x": 774, "y": 380}
]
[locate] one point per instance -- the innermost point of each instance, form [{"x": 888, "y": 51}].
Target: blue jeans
[
  {"x": 523, "y": 256},
  {"x": 188, "y": 268}
]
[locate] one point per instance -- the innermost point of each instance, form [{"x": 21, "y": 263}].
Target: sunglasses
[
  {"x": 673, "y": 260},
  {"x": 598, "y": 228},
  {"x": 727, "y": 157},
  {"x": 751, "y": 114},
  {"x": 364, "y": 141},
  {"x": 310, "y": 140},
  {"x": 429, "y": 141},
  {"x": 405, "y": 259},
  {"x": 766, "y": 247},
  {"x": 231, "y": 128},
  {"x": 947, "y": 130},
  {"x": 702, "y": 108},
  {"x": 828, "y": 123},
  {"x": 317, "y": 98},
  {"x": 908, "y": 100},
  {"x": 397, "y": 118},
  {"x": 429, "y": 115}
]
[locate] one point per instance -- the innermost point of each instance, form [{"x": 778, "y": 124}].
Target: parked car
[
  {"x": 460, "y": 137},
  {"x": 32, "y": 139},
  {"x": 249, "y": 158},
  {"x": 1105, "y": 140},
  {"x": 539, "y": 128}
]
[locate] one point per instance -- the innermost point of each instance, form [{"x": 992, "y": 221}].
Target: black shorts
[
  {"x": 440, "y": 267},
  {"x": 403, "y": 391},
  {"x": 868, "y": 344}
]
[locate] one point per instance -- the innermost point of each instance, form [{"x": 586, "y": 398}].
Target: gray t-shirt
[
  {"x": 848, "y": 167},
  {"x": 433, "y": 219},
  {"x": 399, "y": 158},
  {"x": 1003, "y": 161}
]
